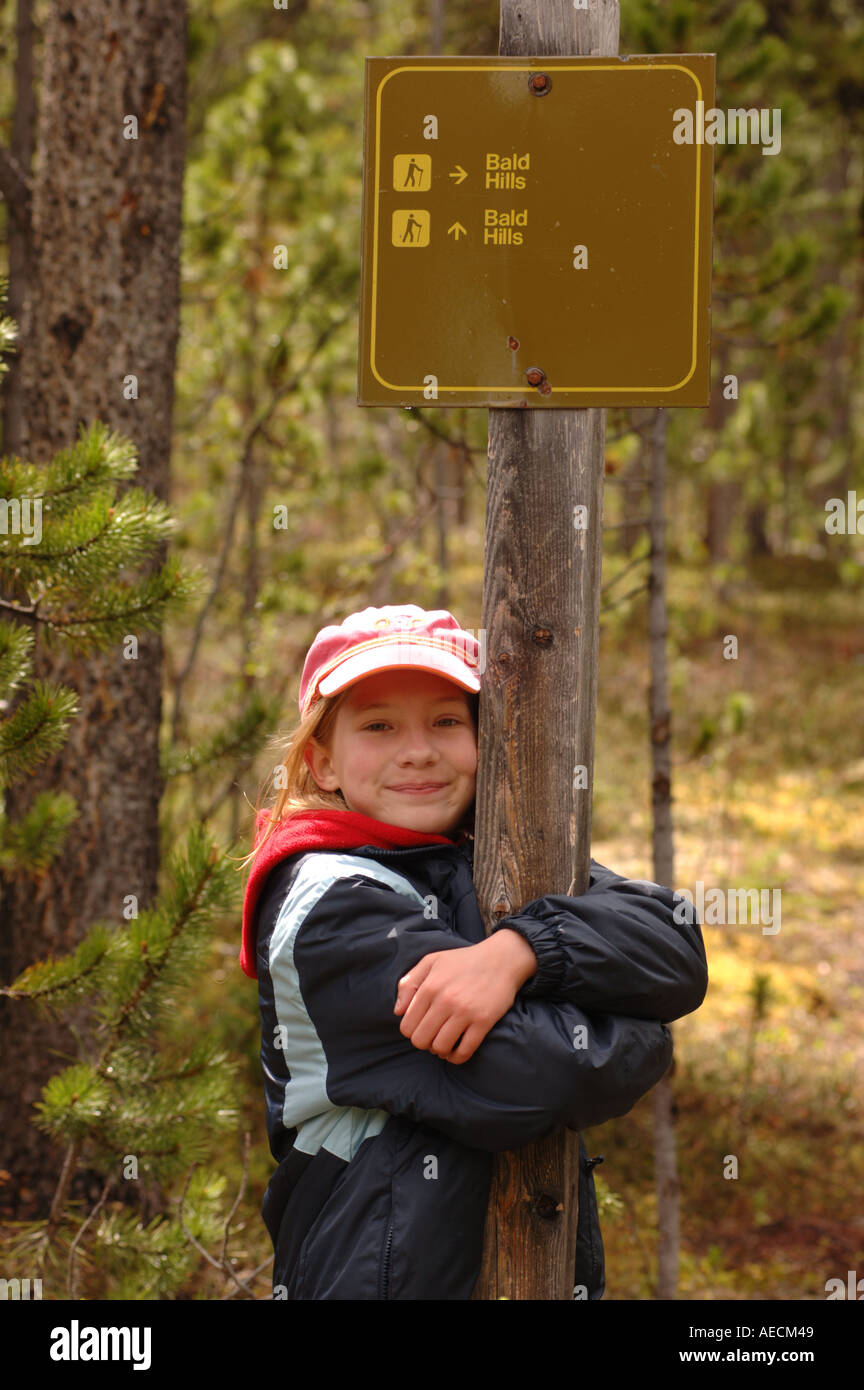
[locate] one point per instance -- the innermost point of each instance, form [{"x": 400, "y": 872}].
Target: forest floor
[{"x": 768, "y": 1071}]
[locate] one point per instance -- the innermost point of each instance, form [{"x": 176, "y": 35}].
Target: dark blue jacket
[{"x": 384, "y": 1150}]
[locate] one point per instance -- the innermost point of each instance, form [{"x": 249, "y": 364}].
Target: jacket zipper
[
  {"x": 410, "y": 849},
  {"x": 466, "y": 856},
  {"x": 384, "y": 1281},
  {"x": 590, "y": 1164}
]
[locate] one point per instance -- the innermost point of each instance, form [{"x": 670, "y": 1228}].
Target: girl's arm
[
  {"x": 335, "y": 972},
  {"x": 626, "y": 946},
  {"x": 629, "y": 946}
]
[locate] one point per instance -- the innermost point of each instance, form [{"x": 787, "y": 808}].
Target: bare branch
[
  {"x": 222, "y": 1265},
  {"x": 70, "y": 1278},
  {"x": 247, "y": 1139},
  {"x": 254, "y": 1275},
  {"x": 639, "y": 560},
  {"x": 633, "y": 521},
  {"x": 631, "y": 593},
  {"x": 459, "y": 442}
]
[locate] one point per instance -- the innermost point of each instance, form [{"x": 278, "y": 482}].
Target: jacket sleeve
[
  {"x": 543, "y": 1065},
  {"x": 625, "y": 946}
]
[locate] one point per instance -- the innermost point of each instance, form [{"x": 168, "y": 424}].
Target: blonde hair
[{"x": 298, "y": 790}]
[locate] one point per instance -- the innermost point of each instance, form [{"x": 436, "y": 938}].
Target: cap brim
[{"x": 439, "y": 663}]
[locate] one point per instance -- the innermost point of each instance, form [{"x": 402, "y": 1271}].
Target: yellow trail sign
[{"x": 536, "y": 232}]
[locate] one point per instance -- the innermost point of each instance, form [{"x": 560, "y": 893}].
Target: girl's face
[{"x": 403, "y": 751}]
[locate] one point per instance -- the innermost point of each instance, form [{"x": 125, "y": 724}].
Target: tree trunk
[
  {"x": 541, "y": 592},
  {"x": 443, "y": 512},
  {"x": 755, "y": 521},
  {"x": 841, "y": 355},
  {"x": 662, "y": 1097},
  {"x": 436, "y": 19},
  {"x": 634, "y": 483},
  {"x": 723, "y": 494},
  {"x": 104, "y": 306},
  {"x": 17, "y": 188}
]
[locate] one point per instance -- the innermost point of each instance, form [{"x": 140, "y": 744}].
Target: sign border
[{"x": 554, "y": 63}]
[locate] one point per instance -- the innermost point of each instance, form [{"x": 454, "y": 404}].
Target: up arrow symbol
[{"x": 456, "y": 230}]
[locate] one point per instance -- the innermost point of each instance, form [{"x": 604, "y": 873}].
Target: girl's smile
[{"x": 426, "y": 788}]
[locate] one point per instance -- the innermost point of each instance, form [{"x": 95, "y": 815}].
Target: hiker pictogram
[
  {"x": 412, "y": 173},
  {"x": 410, "y": 227}
]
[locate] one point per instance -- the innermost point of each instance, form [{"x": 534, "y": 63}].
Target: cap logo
[{"x": 399, "y": 623}]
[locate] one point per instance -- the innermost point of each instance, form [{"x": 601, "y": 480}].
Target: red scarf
[{"x": 317, "y": 829}]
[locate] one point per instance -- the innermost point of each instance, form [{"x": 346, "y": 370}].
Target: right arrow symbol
[
  {"x": 459, "y": 174},
  {"x": 457, "y": 229}
]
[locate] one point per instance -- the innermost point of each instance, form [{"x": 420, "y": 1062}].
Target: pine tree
[
  {"x": 66, "y": 546},
  {"x": 137, "y": 1105},
  {"x": 140, "y": 1106}
]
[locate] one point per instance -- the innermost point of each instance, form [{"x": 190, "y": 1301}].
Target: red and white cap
[{"x": 382, "y": 639}]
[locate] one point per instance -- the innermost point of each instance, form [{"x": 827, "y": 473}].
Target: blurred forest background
[{"x": 291, "y": 507}]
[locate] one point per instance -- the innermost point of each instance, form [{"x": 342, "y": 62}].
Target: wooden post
[{"x": 541, "y": 593}]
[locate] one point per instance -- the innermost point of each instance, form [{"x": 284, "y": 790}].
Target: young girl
[{"x": 401, "y": 1045}]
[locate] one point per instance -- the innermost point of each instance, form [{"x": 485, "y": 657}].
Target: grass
[{"x": 777, "y": 804}]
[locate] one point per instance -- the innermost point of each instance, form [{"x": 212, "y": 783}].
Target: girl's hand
[{"x": 462, "y": 993}]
